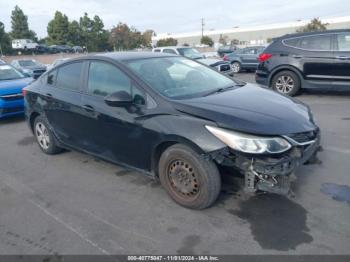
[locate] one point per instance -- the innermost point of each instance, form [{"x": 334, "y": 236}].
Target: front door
[
  {"x": 341, "y": 68},
  {"x": 114, "y": 133}
]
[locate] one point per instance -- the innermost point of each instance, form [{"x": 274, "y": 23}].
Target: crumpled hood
[
  {"x": 251, "y": 109},
  {"x": 14, "y": 86}
]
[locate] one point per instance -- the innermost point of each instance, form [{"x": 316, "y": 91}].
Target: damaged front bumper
[{"x": 270, "y": 173}]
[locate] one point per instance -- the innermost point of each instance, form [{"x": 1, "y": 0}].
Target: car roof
[
  {"x": 313, "y": 33},
  {"x": 133, "y": 55}
]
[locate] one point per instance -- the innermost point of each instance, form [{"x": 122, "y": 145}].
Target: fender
[{"x": 285, "y": 67}]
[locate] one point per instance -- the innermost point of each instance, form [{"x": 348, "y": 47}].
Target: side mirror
[{"x": 119, "y": 99}]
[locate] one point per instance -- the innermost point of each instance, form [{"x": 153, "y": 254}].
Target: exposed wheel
[
  {"x": 236, "y": 67},
  {"x": 190, "y": 180},
  {"x": 286, "y": 82},
  {"x": 45, "y": 138}
]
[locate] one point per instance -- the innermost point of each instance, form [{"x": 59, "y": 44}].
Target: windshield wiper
[{"x": 221, "y": 89}]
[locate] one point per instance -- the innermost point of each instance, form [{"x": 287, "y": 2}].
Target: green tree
[
  {"x": 19, "y": 24},
  {"x": 147, "y": 38},
  {"x": 206, "y": 40},
  {"x": 314, "y": 26},
  {"x": 123, "y": 37},
  {"x": 58, "y": 29},
  {"x": 5, "y": 45},
  {"x": 167, "y": 42},
  {"x": 74, "y": 34}
]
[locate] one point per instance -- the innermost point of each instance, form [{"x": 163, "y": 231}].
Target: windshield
[
  {"x": 178, "y": 77},
  {"x": 9, "y": 73},
  {"x": 189, "y": 52},
  {"x": 27, "y": 63}
]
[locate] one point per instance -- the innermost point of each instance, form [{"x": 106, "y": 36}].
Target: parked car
[
  {"x": 23, "y": 44},
  {"x": 317, "y": 60},
  {"x": 226, "y": 50},
  {"x": 57, "y": 62},
  {"x": 11, "y": 83},
  {"x": 29, "y": 67},
  {"x": 245, "y": 58},
  {"x": 192, "y": 53},
  {"x": 78, "y": 49},
  {"x": 42, "y": 49},
  {"x": 174, "y": 119},
  {"x": 61, "y": 49}
]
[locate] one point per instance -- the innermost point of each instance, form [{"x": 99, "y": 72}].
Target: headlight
[{"x": 249, "y": 143}]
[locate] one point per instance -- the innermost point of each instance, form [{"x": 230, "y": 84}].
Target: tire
[
  {"x": 45, "y": 138},
  {"x": 286, "y": 82},
  {"x": 190, "y": 180},
  {"x": 236, "y": 67}
]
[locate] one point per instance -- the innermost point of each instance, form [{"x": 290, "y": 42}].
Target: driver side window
[{"x": 105, "y": 79}]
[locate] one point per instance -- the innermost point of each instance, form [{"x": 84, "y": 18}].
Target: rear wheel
[
  {"x": 46, "y": 140},
  {"x": 190, "y": 180},
  {"x": 236, "y": 67},
  {"x": 286, "y": 82}
]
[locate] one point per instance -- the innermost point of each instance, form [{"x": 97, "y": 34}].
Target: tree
[
  {"x": 167, "y": 42},
  {"x": 206, "y": 40},
  {"x": 19, "y": 24},
  {"x": 5, "y": 45},
  {"x": 123, "y": 37},
  {"x": 74, "y": 34},
  {"x": 58, "y": 29},
  {"x": 147, "y": 38},
  {"x": 314, "y": 26}
]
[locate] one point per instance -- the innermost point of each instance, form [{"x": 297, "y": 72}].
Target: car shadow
[{"x": 11, "y": 120}]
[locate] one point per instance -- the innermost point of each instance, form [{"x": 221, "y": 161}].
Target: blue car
[{"x": 11, "y": 84}]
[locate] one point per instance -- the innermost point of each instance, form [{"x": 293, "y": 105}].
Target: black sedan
[{"x": 174, "y": 119}]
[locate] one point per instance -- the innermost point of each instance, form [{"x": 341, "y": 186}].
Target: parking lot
[{"x": 73, "y": 203}]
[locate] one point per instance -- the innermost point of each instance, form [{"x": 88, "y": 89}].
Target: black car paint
[
  {"x": 135, "y": 136},
  {"x": 327, "y": 69}
]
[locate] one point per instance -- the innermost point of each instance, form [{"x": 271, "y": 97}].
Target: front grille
[
  {"x": 11, "y": 110},
  {"x": 12, "y": 97},
  {"x": 224, "y": 68},
  {"x": 304, "y": 137}
]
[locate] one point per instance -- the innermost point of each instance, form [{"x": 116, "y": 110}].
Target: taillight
[
  {"x": 264, "y": 57},
  {"x": 225, "y": 58},
  {"x": 24, "y": 92}
]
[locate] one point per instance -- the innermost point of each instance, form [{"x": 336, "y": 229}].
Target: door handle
[
  {"x": 88, "y": 108},
  {"x": 48, "y": 96},
  {"x": 342, "y": 57},
  {"x": 297, "y": 56}
]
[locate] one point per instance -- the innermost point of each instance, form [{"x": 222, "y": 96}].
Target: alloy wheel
[
  {"x": 42, "y": 135},
  {"x": 284, "y": 84},
  {"x": 236, "y": 67}
]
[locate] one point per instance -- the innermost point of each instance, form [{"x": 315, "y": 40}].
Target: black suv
[{"x": 318, "y": 60}]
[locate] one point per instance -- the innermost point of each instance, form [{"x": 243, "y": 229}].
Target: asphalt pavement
[{"x": 73, "y": 203}]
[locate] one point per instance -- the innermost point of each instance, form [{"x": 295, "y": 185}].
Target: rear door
[
  {"x": 341, "y": 68},
  {"x": 62, "y": 102},
  {"x": 316, "y": 57},
  {"x": 249, "y": 57}
]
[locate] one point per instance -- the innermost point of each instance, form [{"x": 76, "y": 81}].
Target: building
[{"x": 252, "y": 35}]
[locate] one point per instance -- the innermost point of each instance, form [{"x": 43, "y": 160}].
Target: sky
[{"x": 176, "y": 16}]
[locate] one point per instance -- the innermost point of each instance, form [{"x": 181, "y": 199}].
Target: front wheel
[
  {"x": 286, "y": 82},
  {"x": 190, "y": 180}
]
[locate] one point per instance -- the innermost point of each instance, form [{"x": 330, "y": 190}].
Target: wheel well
[
  {"x": 158, "y": 151},
  {"x": 294, "y": 70},
  {"x": 32, "y": 118}
]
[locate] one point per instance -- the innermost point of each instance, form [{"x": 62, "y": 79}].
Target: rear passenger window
[
  {"x": 68, "y": 76},
  {"x": 343, "y": 42},
  {"x": 293, "y": 42},
  {"x": 316, "y": 43},
  {"x": 169, "y": 51}
]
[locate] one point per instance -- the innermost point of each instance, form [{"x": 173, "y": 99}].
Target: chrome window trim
[{"x": 310, "y": 50}]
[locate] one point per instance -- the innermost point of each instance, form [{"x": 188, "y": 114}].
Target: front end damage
[{"x": 270, "y": 173}]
